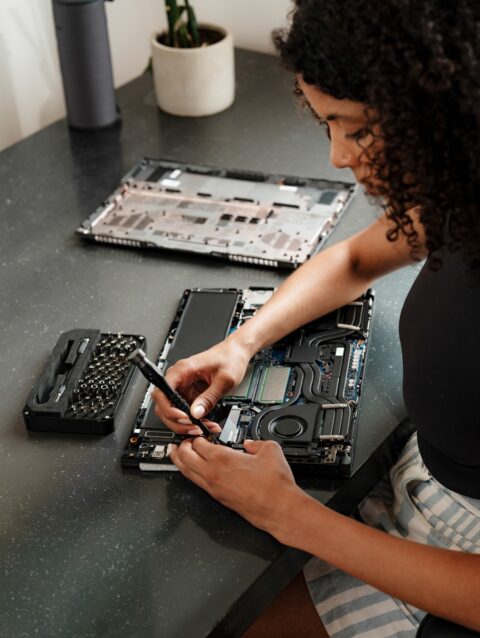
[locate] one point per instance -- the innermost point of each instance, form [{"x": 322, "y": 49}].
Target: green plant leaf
[
  {"x": 183, "y": 38},
  {"x": 181, "y": 33},
  {"x": 192, "y": 24},
  {"x": 171, "y": 11}
]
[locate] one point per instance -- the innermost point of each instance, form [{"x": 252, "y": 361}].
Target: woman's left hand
[{"x": 259, "y": 485}]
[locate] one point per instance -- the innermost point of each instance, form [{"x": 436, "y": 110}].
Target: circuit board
[
  {"x": 247, "y": 217},
  {"x": 302, "y": 392}
]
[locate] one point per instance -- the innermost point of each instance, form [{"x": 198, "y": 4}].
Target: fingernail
[
  {"x": 198, "y": 411},
  {"x": 184, "y": 421},
  {"x": 194, "y": 431}
]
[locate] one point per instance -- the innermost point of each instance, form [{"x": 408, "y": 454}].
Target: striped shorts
[{"x": 409, "y": 503}]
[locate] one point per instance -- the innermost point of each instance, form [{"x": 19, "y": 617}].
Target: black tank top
[{"x": 440, "y": 337}]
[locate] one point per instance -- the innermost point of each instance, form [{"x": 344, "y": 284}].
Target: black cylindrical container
[{"x": 82, "y": 38}]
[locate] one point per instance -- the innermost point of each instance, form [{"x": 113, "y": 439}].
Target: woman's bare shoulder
[{"x": 374, "y": 255}]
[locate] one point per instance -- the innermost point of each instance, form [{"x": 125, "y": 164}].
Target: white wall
[{"x": 31, "y": 93}]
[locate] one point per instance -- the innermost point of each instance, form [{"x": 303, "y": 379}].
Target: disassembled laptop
[
  {"x": 302, "y": 392},
  {"x": 266, "y": 220}
]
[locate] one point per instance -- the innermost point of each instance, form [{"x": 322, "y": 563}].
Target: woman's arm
[
  {"x": 329, "y": 280},
  {"x": 260, "y": 486}
]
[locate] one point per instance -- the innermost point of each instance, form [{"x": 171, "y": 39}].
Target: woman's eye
[{"x": 357, "y": 135}]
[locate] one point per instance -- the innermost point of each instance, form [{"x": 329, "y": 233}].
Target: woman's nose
[{"x": 341, "y": 156}]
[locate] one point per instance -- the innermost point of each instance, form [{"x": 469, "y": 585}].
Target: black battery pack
[{"x": 83, "y": 383}]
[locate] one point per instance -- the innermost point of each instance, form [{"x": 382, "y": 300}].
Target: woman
[{"x": 397, "y": 86}]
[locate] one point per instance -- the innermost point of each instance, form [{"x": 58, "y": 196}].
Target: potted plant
[{"x": 193, "y": 64}]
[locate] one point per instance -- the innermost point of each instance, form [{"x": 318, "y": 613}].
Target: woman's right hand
[{"x": 202, "y": 380}]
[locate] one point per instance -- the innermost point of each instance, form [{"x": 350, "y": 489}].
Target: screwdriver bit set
[{"x": 83, "y": 383}]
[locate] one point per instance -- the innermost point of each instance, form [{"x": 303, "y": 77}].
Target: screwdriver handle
[{"x": 179, "y": 402}]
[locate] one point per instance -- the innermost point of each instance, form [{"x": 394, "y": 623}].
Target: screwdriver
[{"x": 153, "y": 374}]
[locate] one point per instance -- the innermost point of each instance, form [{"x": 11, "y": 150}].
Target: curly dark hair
[{"x": 416, "y": 65}]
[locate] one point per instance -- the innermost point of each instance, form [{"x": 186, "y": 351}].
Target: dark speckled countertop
[{"x": 89, "y": 550}]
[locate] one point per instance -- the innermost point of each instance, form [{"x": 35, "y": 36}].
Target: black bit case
[{"x": 82, "y": 385}]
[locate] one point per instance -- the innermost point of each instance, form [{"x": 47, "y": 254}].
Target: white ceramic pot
[{"x": 194, "y": 82}]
